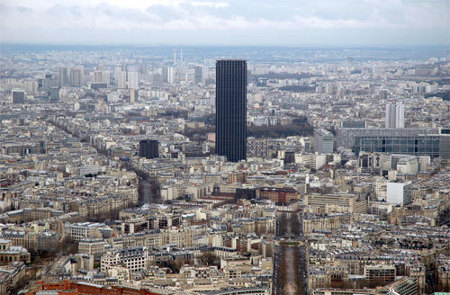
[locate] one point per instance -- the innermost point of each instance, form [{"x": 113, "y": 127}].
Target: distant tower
[
  {"x": 181, "y": 56},
  {"x": 76, "y": 77},
  {"x": 198, "y": 75},
  {"x": 231, "y": 109},
  {"x": 395, "y": 115},
  {"x": 168, "y": 74},
  {"x": 63, "y": 76},
  {"x": 133, "y": 80},
  {"x": 98, "y": 76},
  {"x": 122, "y": 79},
  {"x": 53, "y": 94},
  {"x": 174, "y": 56},
  {"x": 149, "y": 149}
]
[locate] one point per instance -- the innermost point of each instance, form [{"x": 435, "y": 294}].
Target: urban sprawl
[{"x": 143, "y": 171}]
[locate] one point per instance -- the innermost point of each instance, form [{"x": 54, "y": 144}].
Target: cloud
[
  {"x": 251, "y": 16},
  {"x": 210, "y": 4}
]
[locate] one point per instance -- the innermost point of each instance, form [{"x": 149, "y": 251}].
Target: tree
[
  {"x": 170, "y": 264},
  {"x": 209, "y": 258}
]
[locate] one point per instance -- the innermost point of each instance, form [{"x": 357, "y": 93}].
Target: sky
[{"x": 227, "y": 22}]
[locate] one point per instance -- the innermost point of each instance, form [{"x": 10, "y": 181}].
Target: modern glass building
[
  {"x": 345, "y": 137},
  {"x": 437, "y": 145},
  {"x": 231, "y": 109},
  {"x": 323, "y": 141},
  {"x": 149, "y": 149}
]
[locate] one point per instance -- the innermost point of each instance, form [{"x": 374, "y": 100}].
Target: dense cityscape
[{"x": 157, "y": 170}]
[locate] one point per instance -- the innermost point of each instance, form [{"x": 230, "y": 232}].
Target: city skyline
[
  {"x": 199, "y": 147},
  {"x": 82, "y": 194}
]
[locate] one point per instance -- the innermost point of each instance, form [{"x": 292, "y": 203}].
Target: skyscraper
[
  {"x": 168, "y": 74},
  {"x": 231, "y": 109},
  {"x": 64, "y": 75},
  {"x": 198, "y": 75},
  {"x": 98, "y": 76},
  {"x": 76, "y": 77},
  {"x": 121, "y": 77},
  {"x": 395, "y": 115},
  {"x": 133, "y": 80}
]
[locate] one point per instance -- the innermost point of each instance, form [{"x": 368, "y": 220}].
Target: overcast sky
[{"x": 226, "y": 22}]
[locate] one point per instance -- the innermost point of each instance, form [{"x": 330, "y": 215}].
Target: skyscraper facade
[
  {"x": 121, "y": 78},
  {"x": 64, "y": 75},
  {"x": 231, "y": 109},
  {"x": 198, "y": 75},
  {"x": 76, "y": 77},
  {"x": 168, "y": 74},
  {"x": 395, "y": 115},
  {"x": 133, "y": 80}
]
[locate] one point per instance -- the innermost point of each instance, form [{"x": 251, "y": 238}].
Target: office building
[
  {"x": 323, "y": 141},
  {"x": 98, "y": 77},
  {"x": 157, "y": 79},
  {"x": 408, "y": 165},
  {"x": 76, "y": 77},
  {"x": 395, "y": 115},
  {"x": 64, "y": 76},
  {"x": 432, "y": 145},
  {"x": 398, "y": 193},
  {"x": 133, "y": 80},
  {"x": 198, "y": 75},
  {"x": 102, "y": 77},
  {"x": 18, "y": 96},
  {"x": 345, "y": 137},
  {"x": 121, "y": 77},
  {"x": 379, "y": 273},
  {"x": 53, "y": 94},
  {"x": 31, "y": 87},
  {"x": 148, "y": 149},
  {"x": 168, "y": 74},
  {"x": 231, "y": 109},
  {"x": 134, "y": 259},
  {"x": 48, "y": 82}
]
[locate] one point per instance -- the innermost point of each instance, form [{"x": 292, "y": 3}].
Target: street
[{"x": 289, "y": 261}]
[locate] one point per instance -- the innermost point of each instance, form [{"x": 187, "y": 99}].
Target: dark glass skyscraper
[
  {"x": 149, "y": 149},
  {"x": 231, "y": 109}
]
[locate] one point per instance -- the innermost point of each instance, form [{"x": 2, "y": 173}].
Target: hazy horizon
[{"x": 251, "y": 53}]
